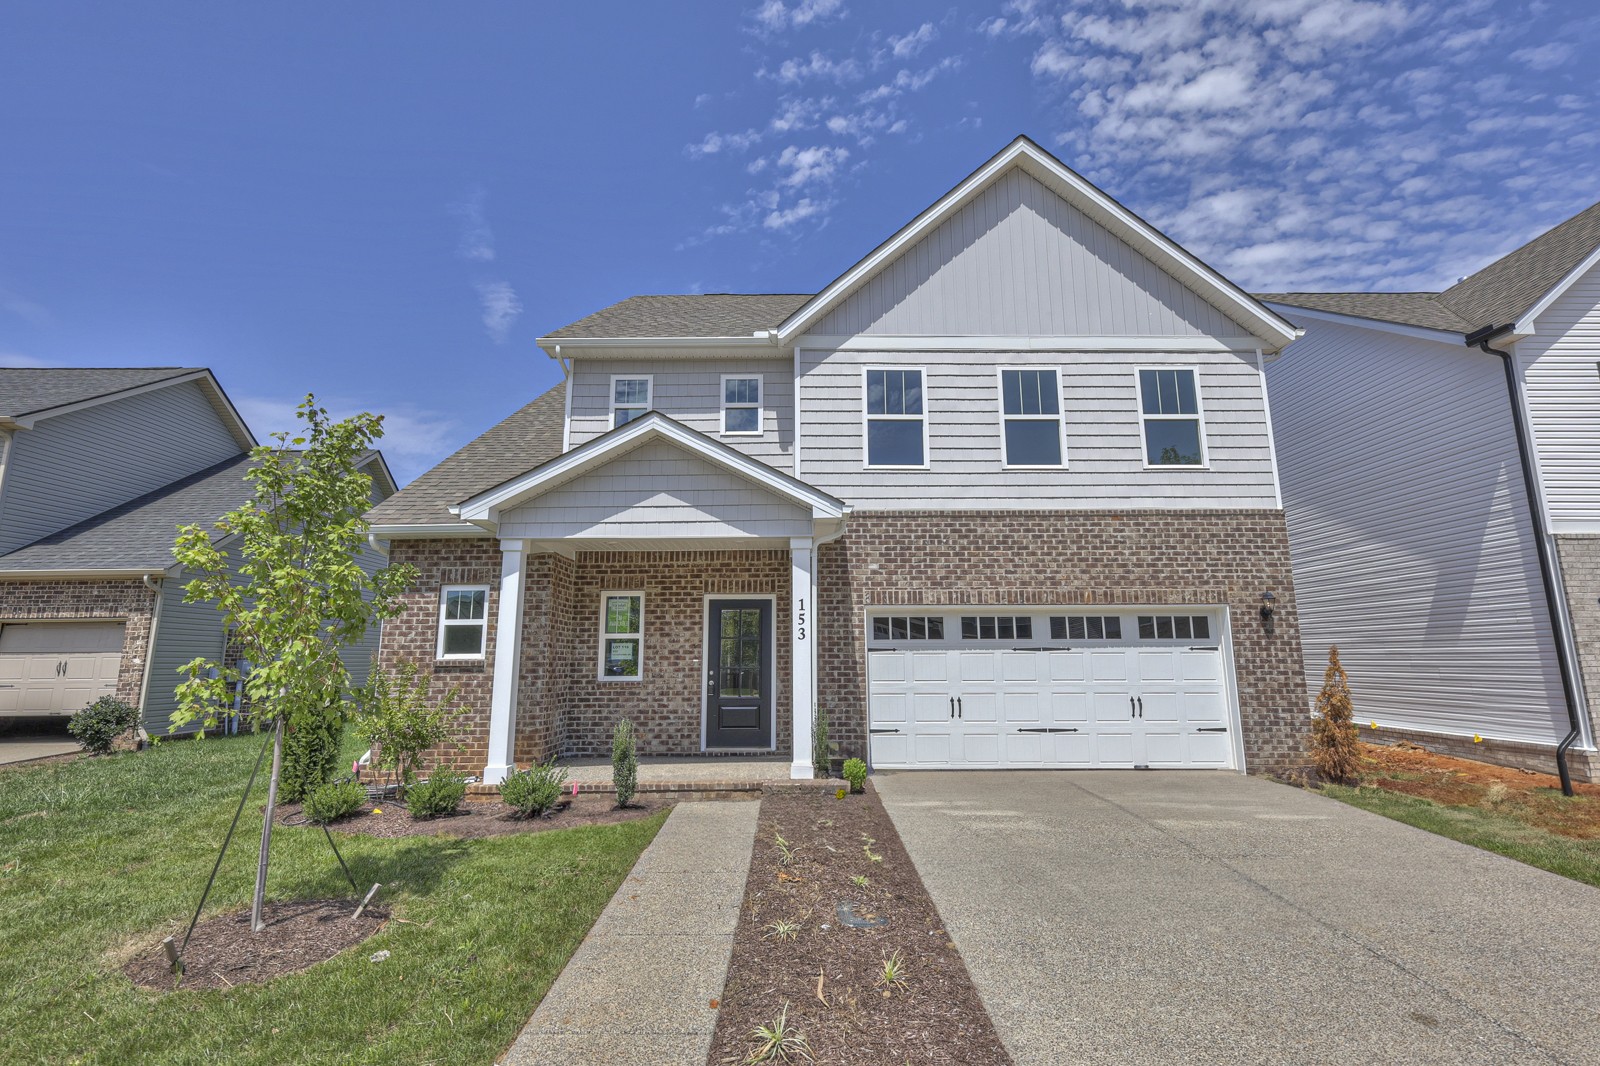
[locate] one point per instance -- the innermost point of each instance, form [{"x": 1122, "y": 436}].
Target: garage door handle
[
  {"x": 959, "y": 712},
  {"x": 883, "y": 730},
  {"x": 1212, "y": 729},
  {"x": 1133, "y": 711},
  {"x": 1141, "y": 706},
  {"x": 952, "y": 706}
]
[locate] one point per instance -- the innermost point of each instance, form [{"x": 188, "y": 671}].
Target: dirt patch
[
  {"x": 223, "y": 952},
  {"x": 480, "y": 818},
  {"x": 831, "y": 975},
  {"x": 1533, "y": 798}
]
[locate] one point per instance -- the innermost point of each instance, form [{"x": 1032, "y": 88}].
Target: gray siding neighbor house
[{"x": 98, "y": 469}]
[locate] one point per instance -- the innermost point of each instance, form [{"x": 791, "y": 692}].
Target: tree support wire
[{"x": 221, "y": 854}]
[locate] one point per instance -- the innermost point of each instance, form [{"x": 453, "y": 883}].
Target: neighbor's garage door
[
  {"x": 1000, "y": 689},
  {"x": 57, "y": 667}
]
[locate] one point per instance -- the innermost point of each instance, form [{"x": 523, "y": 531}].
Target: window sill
[{"x": 460, "y": 660}]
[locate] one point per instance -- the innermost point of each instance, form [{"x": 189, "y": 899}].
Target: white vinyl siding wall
[
  {"x": 691, "y": 393},
  {"x": 1104, "y": 444},
  {"x": 1410, "y": 534},
  {"x": 1561, "y": 373}
]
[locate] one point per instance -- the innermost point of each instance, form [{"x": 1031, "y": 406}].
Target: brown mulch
[
  {"x": 829, "y": 975},
  {"x": 481, "y": 818},
  {"x": 223, "y": 952},
  {"x": 1531, "y": 797}
]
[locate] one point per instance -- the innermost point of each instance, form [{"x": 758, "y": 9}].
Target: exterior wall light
[{"x": 1266, "y": 611}]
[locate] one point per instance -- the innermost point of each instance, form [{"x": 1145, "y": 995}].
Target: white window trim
[
  {"x": 866, "y": 456},
  {"x": 600, "y": 666},
  {"x": 481, "y": 623},
  {"x": 760, "y": 405},
  {"x": 611, "y": 395},
  {"x": 1060, "y": 418},
  {"x": 1199, "y": 417}
]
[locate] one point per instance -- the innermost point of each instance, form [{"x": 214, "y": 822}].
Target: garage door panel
[
  {"x": 931, "y": 749},
  {"x": 1210, "y": 750},
  {"x": 1020, "y": 708},
  {"x": 1109, "y": 666},
  {"x": 1113, "y": 748},
  {"x": 1157, "y": 664},
  {"x": 1205, "y": 708},
  {"x": 886, "y": 666},
  {"x": 980, "y": 749},
  {"x": 1203, "y": 666},
  {"x": 1025, "y": 749},
  {"x": 58, "y": 668},
  {"x": 1069, "y": 708},
  {"x": 930, "y": 667},
  {"x": 1164, "y": 748},
  {"x": 1112, "y": 707},
  {"x": 891, "y": 750},
  {"x": 890, "y": 708},
  {"x": 1019, "y": 666},
  {"x": 979, "y": 707},
  {"x": 931, "y": 707},
  {"x": 1067, "y": 666},
  {"x": 1158, "y": 708},
  {"x": 975, "y": 665},
  {"x": 1072, "y": 750}
]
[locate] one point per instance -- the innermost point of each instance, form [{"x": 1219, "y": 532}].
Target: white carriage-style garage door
[
  {"x": 57, "y": 668},
  {"x": 992, "y": 688}
]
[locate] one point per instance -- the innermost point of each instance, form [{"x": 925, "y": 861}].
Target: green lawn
[
  {"x": 101, "y": 856},
  {"x": 1493, "y": 829}
]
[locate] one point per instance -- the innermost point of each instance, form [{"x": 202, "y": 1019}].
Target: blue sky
[{"x": 386, "y": 203}]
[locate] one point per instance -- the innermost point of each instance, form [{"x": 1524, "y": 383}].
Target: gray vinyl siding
[
  {"x": 1561, "y": 373},
  {"x": 1104, "y": 440},
  {"x": 657, "y": 490},
  {"x": 184, "y": 631},
  {"x": 691, "y": 392},
  {"x": 1409, "y": 529},
  {"x": 74, "y": 466},
  {"x": 1020, "y": 260}
]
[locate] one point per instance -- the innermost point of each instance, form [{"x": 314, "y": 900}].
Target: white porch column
[
  {"x": 507, "y": 657},
  {"x": 802, "y": 681}
]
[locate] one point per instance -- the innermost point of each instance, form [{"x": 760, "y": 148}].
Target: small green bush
[
  {"x": 624, "y": 762},
  {"x": 311, "y": 751},
  {"x": 855, "y": 772},
  {"x": 821, "y": 755},
  {"x": 534, "y": 793},
  {"x": 98, "y": 725},
  {"x": 334, "y": 800},
  {"x": 442, "y": 793}
]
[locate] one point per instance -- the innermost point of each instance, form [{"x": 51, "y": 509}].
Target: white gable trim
[
  {"x": 1442, "y": 336},
  {"x": 886, "y": 343},
  {"x": 1144, "y": 238},
  {"x": 485, "y": 508},
  {"x": 1524, "y": 326}
]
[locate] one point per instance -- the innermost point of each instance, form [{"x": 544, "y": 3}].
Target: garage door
[
  {"x": 57, "y": 667},
  {"x": 996, "y": 689}
]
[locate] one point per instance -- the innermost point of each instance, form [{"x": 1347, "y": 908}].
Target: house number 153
[{"x": 800, "y": 619}]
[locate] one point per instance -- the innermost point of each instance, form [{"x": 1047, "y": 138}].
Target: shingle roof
[
  {"x": 712, "y": 314},
  {"x": 1503, "y": 291},
  {"x": 29, "y": 390},
  {"x": 531, "y": 436},
  {"x": 138, "y": 535},
  {"x": 1407, "y": 308}
]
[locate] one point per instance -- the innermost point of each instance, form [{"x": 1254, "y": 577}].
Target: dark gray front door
[{"x": 739, "y": 674}]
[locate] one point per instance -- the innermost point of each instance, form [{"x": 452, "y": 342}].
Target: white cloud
[
  {"x": 799, "y": 211},
  {"x": 1544, "y": 56},
  {"x": 714, "y": 143},
  {"x": 17, "y": 360},
  {"x": 814, "y": 66},
  {"x": 414, "y": 438},
  {"x": 818, "y": 164},
  {"x": 501, "y": 307},
  {"x": 908, "y": 45},
  {"x": 774, "y": 16},
  {"x": 477, "y": 239}
]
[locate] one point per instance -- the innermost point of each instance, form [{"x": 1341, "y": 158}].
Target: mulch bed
[
  {"x": 831, "y": 976},
  {"x": 1534, "y": 798},
  {"x": 223, "y": 952},
  {"x": 480, "y": 818}
]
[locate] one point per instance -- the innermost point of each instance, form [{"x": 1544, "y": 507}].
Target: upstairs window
[
  {"x": 897, "y": 430},
  {"x": 630, "y": 399},
  {"x": 1030, "y": 408},
  {"x": 463, "y": 621},
  {"x": 1169, "y": 409},
  {"x": 741, "y": 404}
]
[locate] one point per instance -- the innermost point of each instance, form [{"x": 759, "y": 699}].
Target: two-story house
[
  {"x": 1440, "y": 459},
  {"x": 1002, "y": 494},
  {"x": 98, "y": 469}
]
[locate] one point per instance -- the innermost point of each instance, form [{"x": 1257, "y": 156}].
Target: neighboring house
[
  {"x": 1444, "y": 513},
  {"x": 1001, "y": 494},
  {"x": 98, "y": 469}
]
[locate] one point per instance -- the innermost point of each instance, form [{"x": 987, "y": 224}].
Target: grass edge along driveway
[{"x": 102, "y": 857}]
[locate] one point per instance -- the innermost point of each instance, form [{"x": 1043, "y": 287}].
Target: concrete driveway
[
  {"x": 1194, "y": 917},
  {"x": 25, "y": 739}
]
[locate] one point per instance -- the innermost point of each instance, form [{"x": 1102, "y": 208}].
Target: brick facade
[
  {"x": 125, "y": 600},
  {"x": 1579, "y": 558}
]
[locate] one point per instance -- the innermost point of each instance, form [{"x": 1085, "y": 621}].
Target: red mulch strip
[
  {"x": 223, "y": 952},
  {"x": 830, "y": 976},
  {"x": 1531, "y": 797},
  {"x": 481, "y": 818}
]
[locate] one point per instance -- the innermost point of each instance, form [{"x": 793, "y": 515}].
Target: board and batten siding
[
  {"x": 1104, "y": 440},
  {"x": 76, "y": 465},
  {"x": 691, "y": 393},
  {"x": 1410, "y": 534},
  {"x": 1560, "y": 367},
  {"x": 657, "y": 490},
  {"x": 1020, "y": 260}
]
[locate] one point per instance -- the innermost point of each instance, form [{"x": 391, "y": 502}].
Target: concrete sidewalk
[{"x": 640, "y": 987}]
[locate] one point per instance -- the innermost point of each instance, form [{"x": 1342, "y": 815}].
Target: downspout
[{"x": 1480, "y": 339}]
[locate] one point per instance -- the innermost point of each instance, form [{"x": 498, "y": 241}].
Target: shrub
[
  {"x": 624, "y": 762},
  {"x": 334, "y": 800},
  {"x": 396, "y": 718},
  {"x": 99, "y": 725},
  {"x": 1334, "y": 749},
  {"x": 534, "y": 793},
  {"x": 821, "y": 762},
  {"x": 855, "y": 772},
  {"x": 311, "y": 748},
  {"x": 442, "y": 793}
]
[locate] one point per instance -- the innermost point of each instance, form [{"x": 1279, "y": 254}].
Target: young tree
[
  {"x": 1334, "y": 749},
  {"x": 290, "y": 587},
  {"x": 624, "y": 762},
  {"x": 401, "y": 722}
]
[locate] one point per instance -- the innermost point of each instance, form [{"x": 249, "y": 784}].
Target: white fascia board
[
  {"x": 83, "y": 575},
  {"x": 761, "y": 345},
  {"x": 485, "y": 507},
  {"x": 1524, "y": 325},
  {"x": 1229, "y": 298},
  {"x": 1441, "y": 336},
  {"x": 886, "y": 343},
  {"x": 423, "y": 530}
]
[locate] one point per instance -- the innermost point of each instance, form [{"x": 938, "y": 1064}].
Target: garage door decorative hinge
[
  {"x": 1046, "y": 729},
  {"x": 1041, "y": 649},
  {"x": 1212, "y": 729},
  {"x": 883, "y": 730}
]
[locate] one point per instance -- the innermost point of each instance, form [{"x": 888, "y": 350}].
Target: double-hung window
[
  {"x": 1169, "y": 410},
  {"x": 463, "y": 621},
  {"x": 630, "y": 399},
  {"x": 741, "y": 404},
  {"x": 1030, "y": 410},
  {"x": 897, "y": 428},
  {"x": 621, "y": 636}
]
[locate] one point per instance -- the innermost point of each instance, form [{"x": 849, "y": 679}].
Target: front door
[{"x": 739, "y": 674}]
